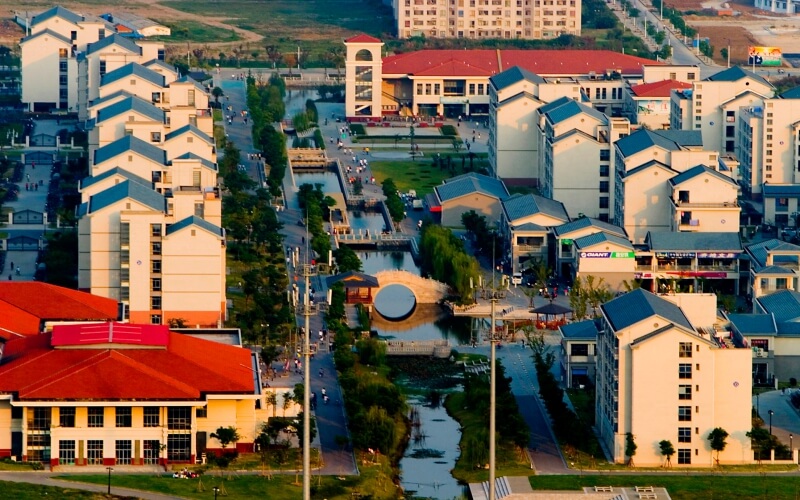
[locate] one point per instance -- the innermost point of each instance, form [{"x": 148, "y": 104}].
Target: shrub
[
  {"x": 449, "y": 130},
  {"x": 357, "y": 129}
]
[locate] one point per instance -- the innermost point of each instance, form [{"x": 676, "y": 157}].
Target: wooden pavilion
[{"x": 357, "y": 286}]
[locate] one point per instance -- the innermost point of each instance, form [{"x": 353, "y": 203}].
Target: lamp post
[
  {"x": 729, "y": 52},
  {"x": 662, "y": 11},
  {"x": 109, "y": 469},
  {"x": 216, "y": 491},
  {"x": 770, "y": 421},
  {"x": 791, "y": 448},
  {"x": 757, "y": 406}
]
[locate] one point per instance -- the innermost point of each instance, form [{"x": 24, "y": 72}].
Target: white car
[{"x": 516, "y": 279}]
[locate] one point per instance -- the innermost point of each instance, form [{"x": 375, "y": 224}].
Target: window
[
  {"x": 62, "y": 66},
  {"x": 690, "y": 76},
  {"x": 685, "y": 348},
  {"x": 190, "y": 98},
  {"x": 604, "y": 170},
  {"x": 95, "y": 417},
  {"x": 155, "y": 319},
  {"x": 62, "y": 53},
  {"x": 437, "y": 88},
  {"x": 605, "y": 155},
  {"x": 201, "y": 412},
  {"x": 94, "y": 452},
  {"x": 684, "y": 456},
  {"x": 101, "y": 33},
  {"x": 603, "y": 186},
  {"x": 66, "y": 416},
  {"x": 179, "y": 447},
  {"x": 579, "y": 349},
  {"x": 199, "y": 209},
  {"x": 179, "y": 418},
  {"x": 471, "y": 89},
  {"x": 66, "y": 452},
  {"x": 39, "y": 419},
  {"x": 152, "y": 416},
  {"x": 73, "y": 35},
  {"x": 155, "y": 303},
  {"x": 604, "y": 202},
  {"x": 685, "y": 370},
  {"x": 155, "y": 230},
  {"x": 16, "y": 412},
  {"x": 124, "y": 454},
  {"x": 155, "y": 136},
  {"x": 155, "y": 284},
  {"x": 480, "y": 89},
  {"x": 684, "y": 434},
  {"x": 62, "y": 80},
  {"x": 102, "y": 68},
  {"x": 155, "y": 97},
  {"x": 684, "y": 392},
  {"x": 419, "y": 89},
  {"x": 156, "y": 248},
  {"x": 684, "y": 413},
  {"x": 155, "y": 266},
  {"x": 152, "y": 449},
  {"x": 124, "y": 418}
]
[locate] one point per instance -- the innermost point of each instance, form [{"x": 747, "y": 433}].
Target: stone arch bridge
[{"x": 425, "y": 290}]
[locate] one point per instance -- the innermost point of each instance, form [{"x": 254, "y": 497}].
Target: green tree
[
  {"x": 346, "y": 259},
  {"x": 667, "y": 450},
  {"x": 288, "y": 399},
  {"x": 630, "y": 448},
  {"x": 717, "y": 440},
  {"x": 271, "y": 399},
  {"x": 217, "y": 92},
  {"x": 226, "y": 436}
]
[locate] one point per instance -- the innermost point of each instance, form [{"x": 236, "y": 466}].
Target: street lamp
[
  {"x": 770, "y": 421},
  {"x": 791, "y": 448},
  {"x": 109, "y": 479},
  {"x": 757, "y": 406},
  {"x": 216, "y": 491}
]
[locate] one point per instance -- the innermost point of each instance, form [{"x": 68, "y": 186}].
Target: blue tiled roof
[
  {"x": 114, "y": 39},
  {"x": 695, "y": 171},
  {"x": 56, "y": 11},
  {"x": 102, "y": 100},
  {"x": 132, "y": 144},
  {"x": 736, "y": 73},
  {"x": 580, "y": 330},
  {"x": 759, "y": 251},
  {"x": 127, "y": 189},
  {"x": 513, "y": 75},
  {"x": 530, "y": 226},
  {"x": 671, "y": 140},
  {"x": 639, "y": 305},
  {"x": 188, "y": 128},
  {"x": 191, "y": 81},
  {"x": 784, "y": 305},
  {"x": 571, "y": 108},
  {"x": 519, "y": 206},
  {"x": 91, "y": 180},
  {"x": 56, "y": 36},
  {"x": 753, "y": 324},
  {"x": 793, "y": 93},
  {"x": 781, "y": 190},
  {"x": 553, "y": 105},
  {"x": 465, "y": 184},
  {"x": 193, "y": 220},
  {"x": 132, "y": 103},
  {"x": 789, "y": 329},
  {"x": 601, "y": 237},
  {"x": 690, "y": 242},
  {"x": 160, "y": 63},
  {"x": 585, "y": 222},
  {"x": 132, "y": 69},
  {"x": 645, "y": 166},
  {"x": 191, "y": 156}
]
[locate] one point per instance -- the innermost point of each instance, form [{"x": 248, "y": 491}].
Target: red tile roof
[
  {"x": 491, "y": 62},
  {"x": 188, "y": 368},
  {"x": 87, "y": 334},
  {"x": 659, "y": 89},
  {"x": 363, "y": 39},
  {"x": 50, "y": 302}
]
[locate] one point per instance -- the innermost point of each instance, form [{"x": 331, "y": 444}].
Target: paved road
[{"x": 785, "y": 420}]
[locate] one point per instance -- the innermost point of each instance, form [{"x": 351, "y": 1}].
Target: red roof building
[
  {"x": 25, "y": 306},
  {"x": 648, "y": 104},
  {"x": 104, "y": 394},
  {"x": 362, "y": 38},
  {"x": 659, "y": 89}
]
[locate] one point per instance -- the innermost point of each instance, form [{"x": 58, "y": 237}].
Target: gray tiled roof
[
  {"x": 530, "y": 226},
  {"x": 465, "y": 184},
  {"x": 133, "y": 69},
  {"x": 101, "y": 100},
  {"x": 774, "y": 270},
  {"x": 585, "y": 222},
  {"x": 571, "y": 108},
  {"x": 193, "y": 220},
  {"x": 513, "y": 75},
  {"x": 57, "y": 11},
  {"x": 553, "y": 105},
  {"x": 91, "y": 180},
  {"x": 115, "y": 39},
  {"x": 639, "y": 305},
  {"x": 695, "y": 171},
  {"x": 647, "y": 165},
  {"x": 784, "y": 305},
  {"x": 191, "y": 81},
  {"x": 160, "y": 63},
  {"x": 186, "y": 129},
  {"x": 736, "y": 73},
  {"x": 689, "y": 242},
  {"x": 781, "y": 190},
  {"x": 132, "y": 103},
  {"x": 127, "y": 189},
  {"x": 753, "y": 324},
  {"x": 191, "y": 156},
  {"x": 519, "y": 206},
  {"x": 580, "y": 330},
  {"x": 132, "y": 144},
  {"x": 759, "y": 251},
  {"x": 56, "y": 36},
  {"x": 601, "y": 237},
  {"x": 671, "y": 140}
]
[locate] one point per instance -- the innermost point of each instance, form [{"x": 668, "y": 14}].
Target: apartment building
[
  {"x": 605, "y": 256},
  {"x": 768, "y": 150},
  {"x": 526, "y": 223},
  {"x": 774, "y": 266},
  {"x": 666, "y": 180},
  {"x": 713, "y": 105},
  {"x": 578, "y": 347},
  {"x": 648, "y": 104},
  {"x": 772, "y": 334},
  {"x": 462, "y": 193},
  {"x": 525, "y": 19},
  {"x": 577, "y": 155},
  {"x": 566, "y": 262},
  {"x": 661, "y": 375},
  {"x": 120, "y": 394}
]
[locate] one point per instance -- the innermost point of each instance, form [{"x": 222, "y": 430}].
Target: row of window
[
  {"x": 39, "y": 418},
  {"x": 178, "y": 449}
]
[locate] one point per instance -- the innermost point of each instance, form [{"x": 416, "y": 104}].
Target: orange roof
[
  {"x": 50, "y": 302},
  {"x": 186, "y": 368},
  {"x": 362, "y": 38},
  {"x": 659, "y": 89},
  {"x": 87, "y": 334},
  {"x": 491, "y": 62}
]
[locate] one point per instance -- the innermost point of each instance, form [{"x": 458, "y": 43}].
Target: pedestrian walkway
[{"x": 785, "y": 419}]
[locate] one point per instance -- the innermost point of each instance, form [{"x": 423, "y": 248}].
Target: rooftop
[
  {"x": 465, "y": 184},
  {"x": 671, "y": 140},
  {"x": 519, "y": 206},
  {"x": 689, "y": 242},
  {"x": 580, "y": 330},
  {"x": 658, "y": 89},
  {"x": 513, "y": 75},
  {"x": 584, "y": 222},
  {"x": 638, "y": 305}
]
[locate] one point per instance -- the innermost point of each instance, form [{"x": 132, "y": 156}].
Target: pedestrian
[
  {"x": 17, "y": 270},
  {"x": 10, "y": 278},
  {"x": 12, "y": 265}
]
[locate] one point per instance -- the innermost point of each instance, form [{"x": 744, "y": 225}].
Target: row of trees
[
  {"x": 444, "y": 259},
  {"x": 393, "y": 202},
  {"x": 307, "y": 118}
]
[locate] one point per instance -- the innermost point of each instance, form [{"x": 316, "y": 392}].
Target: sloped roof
[
  {"x": 453, "y": 68},
  {"x": 132, "y": 103},
  {"x": 570, "y": 108},
  {"x": 760, "y": 250},
  {"x": 781, "y": 190},
  {"x": 114, "y": 95},
  {"x": 658, "y": 89},
  {"x": 185, "y": 79},
  {"x": 191, "y": 156},
  {"x": 647, "y": 165},
  {"x": 465, "y": 184},
  {"x": 793, "y": 93},
  {"x": 193, "y": 220},
  {"x": 753, "y": 324},
  {"x": 689, "y": 241},
  {"x": 784, "y": 305},
  {"x": 638, "y": 305},
  {"x": 93, "y": 179},
  {"x": 57, "y": 11},
  {"x": 110, "y": 332},
  {"x": 127, "y": 189},
  {"x": 47, "y": 32},
  {"x": 601, "y": 237},
  {"x": 188, "y": 129},
  {"x": 580, "y": 330},
  {"x": 362, "y": 38},
  {"x": 523, "y": 205},
  {"x": 584, "y": 222},
  {"x": 186, "y": 368},
  {"x": 133, "y": 69},
  {"x": 671, "y": 140},
  {"x": 354, "y": 279},
  {"x": 513, "y": 75},
  {"x": 127, "y": 144},
  {"x": 115, "y": 39},
  {"x": 734, "y": 74},
  {"x": 53, "y": 303},
  {"x": 698, "y": 170}
]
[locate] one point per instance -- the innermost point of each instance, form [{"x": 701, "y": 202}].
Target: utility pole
[{"x": 493, "y": 384}]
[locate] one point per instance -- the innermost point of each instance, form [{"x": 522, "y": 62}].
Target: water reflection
[
  {"x": 395, "y": 302},
  {"x": 374, "y": 262},
  {"x": 373, "y": 221}
]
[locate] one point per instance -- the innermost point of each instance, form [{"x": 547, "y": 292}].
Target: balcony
[{"x": 687, "y": 205}]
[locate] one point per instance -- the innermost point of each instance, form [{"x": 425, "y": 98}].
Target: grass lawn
[
  {"x": 195, "y": 32},
  {"x": 25, "y": 491},
  {"x": 682, "y": 487},
  {"x": 406, "y": 174}
]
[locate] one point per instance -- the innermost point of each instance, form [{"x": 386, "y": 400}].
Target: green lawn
[
  {"x": 681, "y": 487},
  {"x": 420, "y": 174},
  {"x": 193, "y": 31},
  {"x": 25, "y": 491}
]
